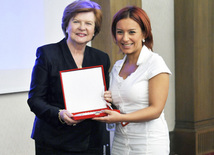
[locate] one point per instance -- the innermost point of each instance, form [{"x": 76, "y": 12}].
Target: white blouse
[{"x": 131, "y": 94}]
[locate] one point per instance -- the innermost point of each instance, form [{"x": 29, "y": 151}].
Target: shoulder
[
  {"x": 51, "y": 47},
  {"x": 117, "y": 65},
  {"x": 50, "y": 51},
  {"x": 156, "y": 60},
  {"x": 157, "y": 65},
  {"x": 93, "y": 57},
  {"x": 96, "y": 56},
  {"x": 119, "y": 62},
  {"x": 149, "y": 57}
]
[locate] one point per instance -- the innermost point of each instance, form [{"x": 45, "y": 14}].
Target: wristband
[{"x": 63, "y": 122}]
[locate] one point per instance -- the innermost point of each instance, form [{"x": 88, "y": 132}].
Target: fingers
[
  {"x": 107, "y": 112},
  {"x": 108, "y": 119},
  {"x": 101, "y": 119},
  {"x": 66, "y": 116},
  {"x": 107, "y": 96}
]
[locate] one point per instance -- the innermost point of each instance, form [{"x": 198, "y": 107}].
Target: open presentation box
[{"x": 83, "y": 91}]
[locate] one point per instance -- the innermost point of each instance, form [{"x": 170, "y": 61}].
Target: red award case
[{"x": 83, "y": 91}]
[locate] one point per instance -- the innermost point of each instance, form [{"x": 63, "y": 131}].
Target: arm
[
  {"x": 42, "y": 102},
  {"x": 158, "y": 92},
  {"x": 38, "y": 94}
]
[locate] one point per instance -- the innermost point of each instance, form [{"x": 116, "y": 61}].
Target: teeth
[
  {"x": 81, "y": 35},
  {"x": 127, "y": 44}
]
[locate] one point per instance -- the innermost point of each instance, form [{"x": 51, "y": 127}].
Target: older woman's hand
[{"x": 66, "y": 116}]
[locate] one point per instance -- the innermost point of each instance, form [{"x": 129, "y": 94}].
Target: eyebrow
[
  {"x": 85, "y": 21},
  {"x": 128, "y": 29}
]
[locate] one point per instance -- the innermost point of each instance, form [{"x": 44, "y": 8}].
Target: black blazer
[{"x": 46, "y": 98}]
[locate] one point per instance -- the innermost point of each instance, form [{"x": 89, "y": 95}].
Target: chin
[{"x": 126, "y": 51}]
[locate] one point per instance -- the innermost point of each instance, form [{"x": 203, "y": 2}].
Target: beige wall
[
  {"x": 16, "y": 118},
  {"x": 16, "y": 122}
]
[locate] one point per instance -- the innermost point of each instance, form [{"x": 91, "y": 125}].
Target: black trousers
[{"x": 45, "y": 150}]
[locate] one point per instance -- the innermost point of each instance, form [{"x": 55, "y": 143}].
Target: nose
[
  {"x": 125, "y": 37},
  {"x": 82, "y": 26}
]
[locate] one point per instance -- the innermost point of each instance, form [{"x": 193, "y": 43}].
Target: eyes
[
  {"x": 120, "y": 32},
  {"x": 89, "y": 23}
]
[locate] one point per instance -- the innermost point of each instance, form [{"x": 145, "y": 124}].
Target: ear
[{"x": 143, "y": 36}]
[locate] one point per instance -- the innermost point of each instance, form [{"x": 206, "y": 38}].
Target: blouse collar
[{"x": 145, "y": 53}]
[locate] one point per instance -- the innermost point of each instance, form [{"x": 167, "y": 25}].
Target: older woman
[{"x": 54, "y": 131}]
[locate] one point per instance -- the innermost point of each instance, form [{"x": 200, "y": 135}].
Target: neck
[
  {"x": 133, "y": 57},
  {"x": 77, "y": 52},
  {"x": 76, "y": 48}
]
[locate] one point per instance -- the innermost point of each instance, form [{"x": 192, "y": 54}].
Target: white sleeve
[{"x": 157, "y": 66}]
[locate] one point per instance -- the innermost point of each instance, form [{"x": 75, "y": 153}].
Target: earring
[{"x": 143, "y": 40}]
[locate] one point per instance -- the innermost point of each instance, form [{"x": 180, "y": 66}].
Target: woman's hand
[
  {"x": 107, "y": 96},
  {"x": 66, "y": 116},
  {"x": 112, "y": 117}
]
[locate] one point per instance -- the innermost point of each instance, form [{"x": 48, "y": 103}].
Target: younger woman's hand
[
  {"x": 112, "y": 117},
  {"x": 107, "y": 96}
]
